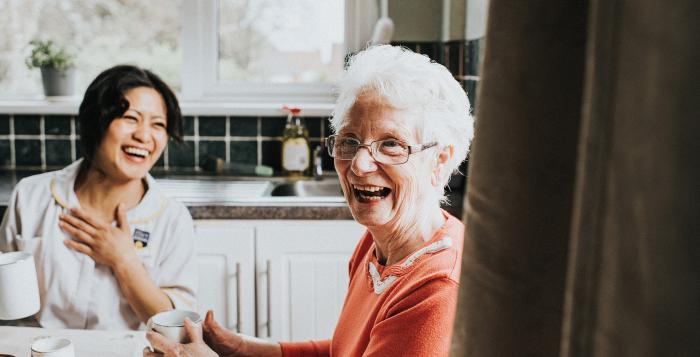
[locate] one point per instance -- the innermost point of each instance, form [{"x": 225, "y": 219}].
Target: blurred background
[{"x": 234, "y": 64}]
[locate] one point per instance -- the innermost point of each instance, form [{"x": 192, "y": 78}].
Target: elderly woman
[
  {"x": 403, "y": 127},
  {"x": 93, "y": 273}
]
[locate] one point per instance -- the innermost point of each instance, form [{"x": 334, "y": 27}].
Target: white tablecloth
[{"x": 16, "y": 341}]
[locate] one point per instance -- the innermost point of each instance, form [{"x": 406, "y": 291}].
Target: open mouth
[
  {"x": 136, "y": 152},
  {"x": 366, "y": 194}
]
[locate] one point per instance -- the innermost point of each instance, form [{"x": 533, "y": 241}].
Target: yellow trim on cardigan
[
  {"x": 180, "y": 295},
  {"x": 156, "y": 214}
]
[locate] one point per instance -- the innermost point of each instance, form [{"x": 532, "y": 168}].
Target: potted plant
[{"x": 56, "y": 64}]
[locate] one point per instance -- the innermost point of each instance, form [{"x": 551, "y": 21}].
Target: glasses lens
[
  {"x": 330, "y": 145},
  {"x": 344, "y": 148},
  {"x": 391, "y": 151}
]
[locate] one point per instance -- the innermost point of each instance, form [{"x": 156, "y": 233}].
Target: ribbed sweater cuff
[{"x": 320, "y": 348}]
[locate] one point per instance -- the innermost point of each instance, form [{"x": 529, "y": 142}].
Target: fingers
[
  {"x": 80, "y": 213},
  {"x": 78, "y": 223},
  {"x": 121, "y": 218},
  {"x": 148, "y": 353},
  {"x": 77, "y": 233},
  {"x": 211, "y": 330},
  {"x": 209, "y": 318},
  {"x": 82, "y": 248},
  {"x": 160, "y": 342},
  {"x": 210, "y": 325},
  {"x": 193, "y": 332}
]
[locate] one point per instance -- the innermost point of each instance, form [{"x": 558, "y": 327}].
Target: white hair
[{"x": 412, "y": 82}]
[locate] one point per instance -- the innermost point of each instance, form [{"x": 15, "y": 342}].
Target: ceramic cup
[
  {"x": 171, "y": 323},
  {"x": 53, "y": 347},
  {"x": 19, "y": 289}
]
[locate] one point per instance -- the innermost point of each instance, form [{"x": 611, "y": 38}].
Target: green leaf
[{"x": 46, "y": 54}]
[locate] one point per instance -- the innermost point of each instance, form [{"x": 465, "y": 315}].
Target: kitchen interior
[
  {"x": 583, "y": 174},
  {"x": 266, "y": 230},
  {"x": 234, "y": 144}
]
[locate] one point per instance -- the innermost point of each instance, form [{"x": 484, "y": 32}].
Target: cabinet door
[
  {"x": 302, "y": 276},
  {"x": 226, "y": 260}
]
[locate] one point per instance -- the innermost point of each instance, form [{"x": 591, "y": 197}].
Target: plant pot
[{"x": 58, "y": 83}]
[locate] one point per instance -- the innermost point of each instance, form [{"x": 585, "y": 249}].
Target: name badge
[{"x": 141, "y": 238}]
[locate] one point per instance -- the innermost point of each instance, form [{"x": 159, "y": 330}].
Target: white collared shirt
[{"x": 75, "y": 291}]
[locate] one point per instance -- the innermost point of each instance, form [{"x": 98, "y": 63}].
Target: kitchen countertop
[
  {"x": 216, "y": 197},
  {"x": 212, "y": 197}
]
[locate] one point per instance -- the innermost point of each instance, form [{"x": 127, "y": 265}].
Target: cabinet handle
[
  {"x": 269, "y": 299},
  {"x": 238, "y": 297}
]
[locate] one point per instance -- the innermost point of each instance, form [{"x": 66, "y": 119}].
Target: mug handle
[
  {"x": 149, "y": 324},
  {"x": 149, "y": 327}
]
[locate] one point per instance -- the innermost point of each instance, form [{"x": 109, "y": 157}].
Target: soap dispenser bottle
[{"x": 295, "y": 145}]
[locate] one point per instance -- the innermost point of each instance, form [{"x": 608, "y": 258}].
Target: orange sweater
[{"x": 409, "y": 314}]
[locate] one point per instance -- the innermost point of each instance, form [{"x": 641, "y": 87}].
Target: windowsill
[{"x": 69, "y": 106}]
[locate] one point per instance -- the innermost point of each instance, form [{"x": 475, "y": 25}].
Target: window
[
  {"x": 280, "y": 41},
  {"x": 281, "y": 51},
  {"x": 101, "y": 33},
  {"x": 270, "y": 50}
]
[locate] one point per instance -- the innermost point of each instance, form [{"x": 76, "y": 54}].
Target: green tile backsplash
[
  {"x": 244, "y": 126},
  {"x": 58, "y": 152},
  {"x": 212, "y": 126},
  {"x": 250, "y": 140},
  {"x": 27, "y": 152},
  {"x": 5, "y": 154},
  {"x": 4, "y": 124},
  {"x": 27, "y": 125},
  {"x": 57, "y": 125},
  {"x": 245, "y": 152}
]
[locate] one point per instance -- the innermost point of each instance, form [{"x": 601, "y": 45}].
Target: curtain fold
[
  {"x": 521, "y": 180},
  {"x": 634, "y": 278},
  {"x": 583, "y": 199}
]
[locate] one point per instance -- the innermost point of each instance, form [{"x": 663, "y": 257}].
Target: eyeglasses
[{"x": 388, "y": 151}]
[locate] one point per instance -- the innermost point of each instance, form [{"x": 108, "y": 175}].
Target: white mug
[
  {"x": 19, "y": 289},
  {"x": 171, "y": 324},
  {"x": 53, "y": 347}
]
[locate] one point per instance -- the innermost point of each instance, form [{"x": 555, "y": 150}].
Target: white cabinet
[
  {"x": 302, "y": 277},
  {"x": 225, "y": 257},
  {"x": 282, "y": 280}
]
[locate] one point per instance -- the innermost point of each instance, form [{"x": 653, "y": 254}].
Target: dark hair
[{"x": 104, "y": 101}]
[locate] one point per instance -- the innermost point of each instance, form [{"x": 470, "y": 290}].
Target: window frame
[{"x": 200, "y": 58}]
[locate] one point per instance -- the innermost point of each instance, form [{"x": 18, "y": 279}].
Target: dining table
[{"x": 16, "y": 341}]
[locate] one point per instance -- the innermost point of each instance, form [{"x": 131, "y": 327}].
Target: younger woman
[{"x": 110, "y": 249}]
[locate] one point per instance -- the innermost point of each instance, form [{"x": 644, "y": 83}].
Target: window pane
[
  {"x": 102, "y": 34},
  {"x": 281, "y": 41}
]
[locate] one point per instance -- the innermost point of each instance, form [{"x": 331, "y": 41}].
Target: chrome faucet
[{"x": 318, "y": 163}]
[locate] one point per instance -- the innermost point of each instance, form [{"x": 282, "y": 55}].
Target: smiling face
[
  {"x": 133, "y": 142},
  {"x": 382, "y": 194}
]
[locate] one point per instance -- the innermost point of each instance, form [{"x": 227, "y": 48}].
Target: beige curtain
[{"x": 585, "y": 159}]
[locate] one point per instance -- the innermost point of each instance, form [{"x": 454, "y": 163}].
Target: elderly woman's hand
[
  {"x": 196, "y": 348},
  {"x": 103, "y": 242},
  {"x": 222, "y": 341},
  {"x": 230, "y": 344}
]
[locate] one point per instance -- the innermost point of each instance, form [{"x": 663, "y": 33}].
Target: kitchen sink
[
  {"x": 322, "y": 188},
  {"x": 228, "y": 190},
  {"x": 202, "y": 190}
]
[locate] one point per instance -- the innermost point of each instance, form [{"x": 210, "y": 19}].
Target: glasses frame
[{"x": 373, "y": 147}]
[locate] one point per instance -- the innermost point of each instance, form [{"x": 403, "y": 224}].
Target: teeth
[
  {"x": 367, "y": 188},
  {"x": 369, "y": 193},
  {"x": 136, "y": 151},
  {"x": 370, "y": 198}
]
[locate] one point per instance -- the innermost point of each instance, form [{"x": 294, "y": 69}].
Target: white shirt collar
[{"x": 152, "y": 204}]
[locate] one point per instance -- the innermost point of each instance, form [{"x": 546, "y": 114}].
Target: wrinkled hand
[
  {"x": 196, "y": 348},
  {"x": 224, "y": 342},
  {"x": 104, "y": 243}
]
